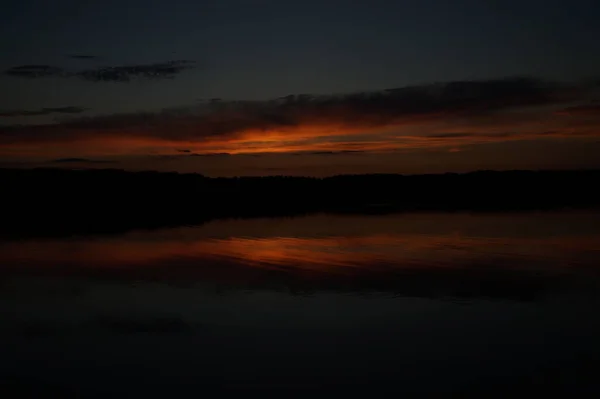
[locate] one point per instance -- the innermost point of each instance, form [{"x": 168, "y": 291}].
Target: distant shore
[{"x": 56, "y": 202}]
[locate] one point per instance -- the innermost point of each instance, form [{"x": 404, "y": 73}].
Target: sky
[{"x": 261, "y": 87}]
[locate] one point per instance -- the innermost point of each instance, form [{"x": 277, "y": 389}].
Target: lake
[{"x": 418, "y": 303}]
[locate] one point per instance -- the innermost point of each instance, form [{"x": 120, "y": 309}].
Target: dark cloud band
[
  {"x": 366, "y": 109},
  {"x": 80, "y": 160},
  {"x": 42, "y": 111},
  {"x": 482, "y": 108},
  {"x": 124, "y": 73}
]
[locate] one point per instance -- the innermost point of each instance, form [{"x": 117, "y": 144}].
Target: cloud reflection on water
[{"x": 405, "y": 255}]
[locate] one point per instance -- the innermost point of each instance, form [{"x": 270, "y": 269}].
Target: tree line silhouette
[{"x": 54, "y": 201}]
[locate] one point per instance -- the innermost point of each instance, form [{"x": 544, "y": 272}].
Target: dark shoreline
[{"x": 61, "y": 202}]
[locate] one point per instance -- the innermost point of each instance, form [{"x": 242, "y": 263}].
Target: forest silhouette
[{"x": 56, "y": 202}]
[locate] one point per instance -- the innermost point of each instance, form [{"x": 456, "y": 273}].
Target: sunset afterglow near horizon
[{"x": 228, "y": 88}]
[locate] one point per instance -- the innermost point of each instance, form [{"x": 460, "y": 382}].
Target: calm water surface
[{"x": 416, "y": 303}]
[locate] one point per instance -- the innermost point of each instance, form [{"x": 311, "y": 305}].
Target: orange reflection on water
[{"x": 321, "y": 254}]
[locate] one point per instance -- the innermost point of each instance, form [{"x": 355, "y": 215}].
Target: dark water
[{"x": 453, "y": 304}]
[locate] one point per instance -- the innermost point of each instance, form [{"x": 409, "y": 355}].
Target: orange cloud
[
  {"x": 449, "y": 115},
  {"x": 589, "y": 109}
]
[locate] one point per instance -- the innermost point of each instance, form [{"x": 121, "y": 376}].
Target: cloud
[
  {"x": 128, "y": 72},
  {"x": 449, "y": 135},
  {"x": 444, "y": 114},
  {"x": 79, "y": 160},
  {"x": 34, "y": 71},
  {"x": 123, "y": 73},
  {"x": 467, "y": 135},
  {"x": 65, "y": 110},
  {"x": 165, "y": 157},
  {"x": 588, "y": 109},
  {"x": 274, "y": 169},
  {"x": 343, "y": 152},
  {"x": 82, "y": 56},
  {"x": 188, "y": 154},
  {"x": 358, "y": 110},
  {"x": 42, "y": 111},
  {"x": 211, "y": 154}
]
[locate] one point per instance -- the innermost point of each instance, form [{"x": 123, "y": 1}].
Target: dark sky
[{"x": 111, "y": 58}]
